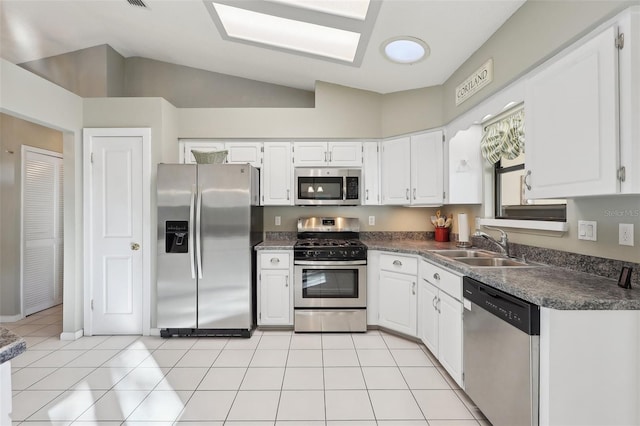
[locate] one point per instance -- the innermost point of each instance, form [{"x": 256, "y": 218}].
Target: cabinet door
[
  {"x": 465, "y": 167},
  {"x": 274, "y": 297},
  {"x": 571, "y": 114},
  {"x": 371, "y": 174},
  {"x": 276, "y": 174},
  {"x": 398, "y": 302},
  {"x": 427, "y": 169},
  {"x": 396, "y": 171},
  {"x": 428, "y": 315},
  {"x": 187, "y": 157},
  {"x": 310, "y": 154},
  {"x": 345, "y": 154},
  {"x": 244, "y": 153},
  {"x": 450, "y": 336}
]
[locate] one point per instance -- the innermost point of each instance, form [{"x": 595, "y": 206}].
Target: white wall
[{"x": 27, "y": 96}]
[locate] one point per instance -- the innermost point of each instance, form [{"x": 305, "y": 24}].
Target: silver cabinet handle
[
  {"x": 526, "y": 182},
  {"x": 434, "y": 302},
  {"x": 436, "y": 276},
  {"x": 286, "y": 281},
  {"x": 135, "y": 246},
  {"x": 397, "y": 263},
  {"x": 366, "y": 192},
  {"x": 414, "y": 193},
  {"x": 407, "y": 194},
  {"x": 275, "y": 260},
  {"x": 288, "y": 191},
  {"x": 325, "y": 156},
  {"x": 413, "y": 288},
  {"x": 438, "y": 305},
  {"x": 330, "y": 156}
]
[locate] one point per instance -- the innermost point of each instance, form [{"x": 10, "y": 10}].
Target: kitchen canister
[{"x": 442, "y": 234}]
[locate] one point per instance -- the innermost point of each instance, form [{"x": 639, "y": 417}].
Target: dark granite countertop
[
  {"x": 276, "y": 245},
  {"x": 11, "y": 345},
  {"x": 547, "y": 286}
]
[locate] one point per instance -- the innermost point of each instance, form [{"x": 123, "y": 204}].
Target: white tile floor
[{"x": 274, "y": 378}]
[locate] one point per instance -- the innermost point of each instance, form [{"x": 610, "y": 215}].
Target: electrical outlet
[
  {"x": 372, "y": 220},
  {"x": 625, "y": 234},
  {"x": 278, "y": 220},
  {"x": 588, "y": 230}
]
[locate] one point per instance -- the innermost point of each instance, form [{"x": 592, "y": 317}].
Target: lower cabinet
[
  {"x": 397, "y": 292},
  {"x": 275, "y": 289},
  {"x": 440, "y": 316}
]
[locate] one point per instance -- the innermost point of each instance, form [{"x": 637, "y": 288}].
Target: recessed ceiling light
[{"x": 405, "y": 50}]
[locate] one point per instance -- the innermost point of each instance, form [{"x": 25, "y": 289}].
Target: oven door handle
[{"x": 329, "y": 262}]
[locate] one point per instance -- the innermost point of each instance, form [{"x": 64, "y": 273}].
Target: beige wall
[
  {"x": 14, "y": 134},
  {"x": 411, "y": 111}
]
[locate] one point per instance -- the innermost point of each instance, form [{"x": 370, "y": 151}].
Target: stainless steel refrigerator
[{"x": 209, "y": 221}]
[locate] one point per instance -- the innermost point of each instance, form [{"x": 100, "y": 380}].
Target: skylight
[
  {"x": 355, "y": 9},
  {"x": 288, "y": 33},
  {"x": 336, "y": 31}
]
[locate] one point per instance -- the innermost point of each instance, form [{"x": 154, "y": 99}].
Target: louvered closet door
[{"x": 42, "y": 230}]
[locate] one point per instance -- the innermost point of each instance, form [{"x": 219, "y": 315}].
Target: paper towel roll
[{"x": 463, "y": 228}]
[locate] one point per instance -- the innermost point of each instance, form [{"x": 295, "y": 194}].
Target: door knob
[{"x": 135, "y": 246}]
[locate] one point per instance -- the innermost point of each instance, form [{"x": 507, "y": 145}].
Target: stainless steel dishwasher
[{"x": 501, "y": 354}]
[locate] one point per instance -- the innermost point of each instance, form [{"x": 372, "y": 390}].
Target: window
[{"x": 503, "y": 144}]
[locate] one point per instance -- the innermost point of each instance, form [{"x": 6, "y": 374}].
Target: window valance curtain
[{"x": 504, "y": 137}]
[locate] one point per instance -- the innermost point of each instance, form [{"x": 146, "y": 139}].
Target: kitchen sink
[
  {"x": 465, "y": 253},
  {"x": 490, "y": 261}
]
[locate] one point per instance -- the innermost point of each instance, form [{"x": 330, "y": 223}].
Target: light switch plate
[
  {"x": 372, "y": 220},
  {"x": 588, "y": 230},
  {"x": 625, "y": 234},
  {"x": 278, "y": 221}
]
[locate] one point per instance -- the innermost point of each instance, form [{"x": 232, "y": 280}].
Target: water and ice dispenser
[{"x": 176, "y": 236}]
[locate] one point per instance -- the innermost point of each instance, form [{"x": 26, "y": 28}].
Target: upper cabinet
[
  {"x": 323, "y": 154},
  {"x": 276, "y": 177},
  {"x": 412, "y": 170},
  {"x": 465, "y": 167},
  {"x": 571, "y": 122},
  {"x": 371, "y": 173},
  {"x": 237, "y": 152}
]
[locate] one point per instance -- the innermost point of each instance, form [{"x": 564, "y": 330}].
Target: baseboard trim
[
  {"x": 72, "y": 335},
  {"x": 10, "y": 318},
  {"x": 154, "y": 332}
]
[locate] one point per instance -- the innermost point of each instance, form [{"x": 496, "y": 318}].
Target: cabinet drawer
[
  {"x": 274, "y": 260},
  {"x": 446, "y": 281},
  {"x": 398, "y": 263}
]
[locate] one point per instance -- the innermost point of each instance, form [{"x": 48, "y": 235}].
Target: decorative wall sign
[{"x": 476, "y": 81}]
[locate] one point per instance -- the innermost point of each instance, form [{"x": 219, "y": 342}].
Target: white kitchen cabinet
[
  {"x": 371, "y": 174},
  {"x": 245, "y": 153},
  {"x": 205, "y": 146},
  {"x": 275, "y": 293},
  {"x": 396, "y": 171},
  {"x": 440, "y": 316},
  {"x": 571, "y": 122},
  {"x": 238, "y": 152},
  {"x": 397, "y": 293},
  {"x": 412, "y": 170},
  {"x": 465, "y": 167},
  {"x": 276, "y": 176},
  {"x": 324, "y": 154},
  {"x": 427, "y": 168}
]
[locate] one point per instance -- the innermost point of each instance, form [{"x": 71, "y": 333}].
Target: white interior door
[
  {"x": 114, "y": 223},
  {"x": 42, "y": 229}
]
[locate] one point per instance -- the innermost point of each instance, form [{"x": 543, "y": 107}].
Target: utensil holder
[{"x": 442, "y": 234}]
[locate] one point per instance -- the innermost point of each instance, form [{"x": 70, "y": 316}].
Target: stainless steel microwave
[{"x": 327, "y": 186}]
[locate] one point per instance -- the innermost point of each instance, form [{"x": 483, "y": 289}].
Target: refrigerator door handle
[
  {"x": 190, "y": 239},
  {"x": 198, "y": 236}
]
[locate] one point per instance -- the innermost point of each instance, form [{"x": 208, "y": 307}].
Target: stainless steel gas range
[{"x": 330, "y": 276}]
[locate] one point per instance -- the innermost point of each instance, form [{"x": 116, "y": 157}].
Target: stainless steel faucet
[{"x": 504, "y": 240}]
